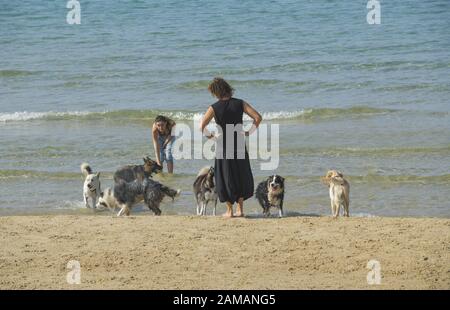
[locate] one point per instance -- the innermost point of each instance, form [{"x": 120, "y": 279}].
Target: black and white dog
[
  {"x": 270, "y": 194},
  {"x": 125, "y": 195},
  {"x": 205, "y": 190},
  {"x": 91, "y": 186}
]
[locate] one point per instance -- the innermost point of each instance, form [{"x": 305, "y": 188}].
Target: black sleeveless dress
[{"x": 233, "y": 176}]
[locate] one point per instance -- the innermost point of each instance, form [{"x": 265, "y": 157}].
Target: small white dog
[
  {"x": 339, "y": 192},
  {"x": 91, "y": 187}
]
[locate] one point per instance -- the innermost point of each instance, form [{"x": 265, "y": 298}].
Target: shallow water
[{"x": 372, "y": 101}]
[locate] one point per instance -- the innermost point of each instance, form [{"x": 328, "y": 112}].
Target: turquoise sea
[{"x": 370, "y": 100}]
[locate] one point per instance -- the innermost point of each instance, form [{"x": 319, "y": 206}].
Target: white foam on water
[
  {"x": 70, "y": 204},
  {"x": 26, "y": 116},
  {"x": 282, "y": 114}
]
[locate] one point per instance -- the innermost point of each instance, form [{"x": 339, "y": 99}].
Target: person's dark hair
[
  {"x": 162, "y": 118},
  {"x": 220, "y": 88}
]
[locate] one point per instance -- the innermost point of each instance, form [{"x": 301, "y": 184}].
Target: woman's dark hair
[
  {"x": 220, "y": 88},
  {"x": 162, "y": 118}
]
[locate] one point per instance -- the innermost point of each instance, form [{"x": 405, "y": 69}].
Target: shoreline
[
  {"x": 190, "y": 252},
  {"x": 253, "y": 212}
]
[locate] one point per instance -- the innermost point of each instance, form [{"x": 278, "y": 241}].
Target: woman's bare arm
[
  {"x": 156, "y": 144},
  {"x": 205, "y": 121},
  {"x": 257, "y": 118},
  {"x": 169, "y": 137}
]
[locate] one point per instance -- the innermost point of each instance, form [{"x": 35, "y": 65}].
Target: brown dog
[
  {"x": 137, "y": 172},
  {"x": 339, "y": 192}
]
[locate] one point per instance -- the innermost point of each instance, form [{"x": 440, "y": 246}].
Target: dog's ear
[
  {"x": 337, "y": 180},
  {"x": 282, "y": 179},
  {"x": 340, "y": 174},
  {"x": 329, "y": 174},
  {"x": 101, "y": 194},
  {"x": 269, "y": 178},
  {"x": 97, "y": 174},
  {"x": 326, "y": 179}
]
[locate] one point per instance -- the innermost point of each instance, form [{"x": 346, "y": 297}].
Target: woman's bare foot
[
  {"x": 229, "y": 212},
  {"x": 240, "y": 208},
  {"x": 239, "y": 214}
]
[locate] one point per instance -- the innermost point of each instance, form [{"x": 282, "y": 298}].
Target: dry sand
[{"x": 185, "y": 252}]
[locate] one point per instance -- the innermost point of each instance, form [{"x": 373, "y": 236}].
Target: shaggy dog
[
  {"x": 339, "y": 190},
  {"x": 91, "y": 186},
  {"x": 270, "y": 194},
  {"x": 205, "y": 190},
  {"x": 125, "y": 195},
  {"x": 137, "y": 172}
]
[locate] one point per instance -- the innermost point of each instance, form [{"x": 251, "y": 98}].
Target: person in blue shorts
[{"x": 163, "y": 141}]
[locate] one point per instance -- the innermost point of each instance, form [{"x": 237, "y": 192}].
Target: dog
[
  {"x": 339, "y": 190},
  {"x": 91, "y": 186},
  {"x": 125, "y": 195},
  {"x": 130, "y": 173},
  {"x": 270, "y": 194},
  {"x": 205, "y": 190}
]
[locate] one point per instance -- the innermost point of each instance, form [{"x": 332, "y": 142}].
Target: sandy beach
[{"x": 186, "y": 252}]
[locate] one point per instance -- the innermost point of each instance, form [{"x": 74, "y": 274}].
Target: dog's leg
[
  {"x": 332, "y": 208},
  {"x": 154, "y": 208},
  {"x": 280, "y": 211},
  {"x": 86, "y": 201},
  {"x": 122, "y": 210},
  {"x": 204, "y": 207},
  {"x": 158, "y": 211},
  {"x": 337, "y": 208},
  {"x": 197, "y": 199},
  {"x": 94, "y": 202},
  {"x": 342, "y": 205},
  {"x": 266, "y": 210},
  {"x": 198, "y": 207},
  {"x": 215, "y": 206},
  {"x": 346, "y": 213}
]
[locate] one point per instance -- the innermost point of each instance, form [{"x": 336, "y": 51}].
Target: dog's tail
[
  {"x": 86, "y": 169},
  {"x": 170, "y": 192},
  {"x": 203, "y": 171}
]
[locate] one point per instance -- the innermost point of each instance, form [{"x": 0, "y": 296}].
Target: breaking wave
[{"x": 145, "y": 115}]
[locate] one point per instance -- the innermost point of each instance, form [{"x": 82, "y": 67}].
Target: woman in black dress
[{"x": 233, "y": 175}]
